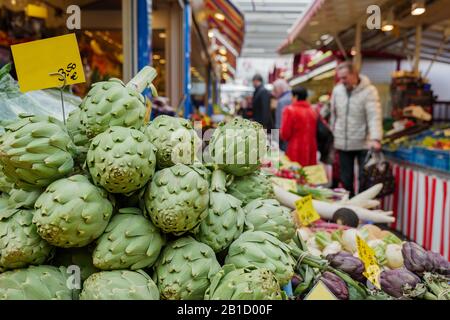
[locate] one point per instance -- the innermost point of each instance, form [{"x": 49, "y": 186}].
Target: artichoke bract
[
  {"x": 175, "y": 139},
  {"x": 439, "y": 263},
  {"x": 20, "y": 244},
  {"x": 336, "y": 285},
  {"x": 35, "y": 151},
  {"x": 177, "y": 198},
  {"x": 225, "y": 220},
  {"x": 397, "y": 282},
  {"x": 76, "y": 129},
  {"x": 415, "y": 258},
  {"x": 244, "y": 284},
  {"x": 112, "y": 103},
  {"x": 347, "y": 263},
  {"x": 6, "y": 184},
  {"x": 130, "y": 241},
  {"x": 184, "y": 269},
  {"x": 19, "y": 198},
  {"x": 35, "y": 283},
  {"x": 254, "y": 186},
  {"x": 262, "y": 250},
  {"x": 119, "y": 285},
  {"x": 270, "y": 216},
  {"x": 72, "y": 212},
  {"x": 237, "y": 147},
  {"x": 121, "y": 160}
]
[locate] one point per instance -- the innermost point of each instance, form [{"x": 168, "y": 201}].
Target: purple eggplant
[
  {"x": 336, "y": 285},
  {"x": 416, "y": 258},
  {"x": 397, "y": 282},
  {"x": 347, "y": 263}
]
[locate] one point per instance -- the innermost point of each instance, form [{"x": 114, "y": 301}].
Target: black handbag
[
  {"x": 325, "y": 141},
  {"x": 377, "y": 170}
]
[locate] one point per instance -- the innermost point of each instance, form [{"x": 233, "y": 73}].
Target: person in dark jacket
[{"x": 261, "y": 103}]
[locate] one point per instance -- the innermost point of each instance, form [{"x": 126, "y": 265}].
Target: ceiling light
[
  {"x": 418, "y": 7},
  {"x": 162, "y": 61},
  {"x": 162, "y": 35},
  {"x": 314, "y": 23},
  {"x": 219, "y": 16},
  {"x": 353, "y": 52},
  {"x": 325, "y": 37},
  {"x": 210, "y": 34},
  {"x": 223, "y": 51},
  {"x": 388, "y": 23},
  {"x": 156, "y": 57}
]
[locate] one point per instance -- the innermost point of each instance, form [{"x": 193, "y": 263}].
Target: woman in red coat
[{"x": 299, "y": 129}]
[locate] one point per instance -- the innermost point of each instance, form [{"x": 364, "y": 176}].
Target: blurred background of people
[
  {"x": 261, "y": 103},
  {"x": 282, "y": 92},
  {"x": 299, "y": 129},
  {"x": 356, "y": 121}
]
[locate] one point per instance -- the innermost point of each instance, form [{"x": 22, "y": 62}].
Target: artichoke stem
[{"x": 143, "y": 79}]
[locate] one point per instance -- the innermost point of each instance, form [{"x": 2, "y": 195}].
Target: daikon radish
[
  {"x": 369, "y": 194},
  {"x": 326, "y": 210}
]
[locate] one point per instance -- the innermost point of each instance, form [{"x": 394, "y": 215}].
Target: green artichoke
[
  {"x": 72, "y": 212},
  {"x": 262, "y": 250},
  {"x": 184, "y": 269},
  {"x": 270, "y": 216},
  {"x": 35, "y": 151},
  {"x": 251, "y": 187},
  {"x": 81, "y": 257},
  {"x": 119, "y": 285},
  {"x": 35, "y": 283},
  {"x": 121, "y": 160},
  {"x": 244, "y": 284},
  {"x": 130, "y": 241},
  {"x": 20, "y": 244},
  {"x": 177, "y": 198},
  {"x": 238, "y": 146},
  {"x": 112, "y": 103},
  {"x": 225, "y": 220},
  {"x": 175, "y": 140}
]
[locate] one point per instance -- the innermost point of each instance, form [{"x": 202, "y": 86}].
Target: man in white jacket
[{"x": 356, "y": 121}]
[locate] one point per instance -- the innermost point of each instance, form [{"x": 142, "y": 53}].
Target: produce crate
[
  {"x": 439, "y": 159},
  {"x": 420, "y": 157},
  {"x": 405, "y": 154}
]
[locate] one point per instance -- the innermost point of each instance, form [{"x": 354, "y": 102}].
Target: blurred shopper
[
  {"x": 282, "y": 92},
  {"x": 261, "y": 103},
  {"x": 299, "y": 129},
  {"x": 356, "y": 121}
]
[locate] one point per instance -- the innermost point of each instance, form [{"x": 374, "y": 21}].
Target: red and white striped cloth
[{"x": 421, "y": 205}]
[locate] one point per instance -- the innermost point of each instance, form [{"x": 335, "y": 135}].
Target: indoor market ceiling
[{"x": 267, "y": 23}]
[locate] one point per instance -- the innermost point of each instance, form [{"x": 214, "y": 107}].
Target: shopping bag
[{"x": 377, "y": 170}]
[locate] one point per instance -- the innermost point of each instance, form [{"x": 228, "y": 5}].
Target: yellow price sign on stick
[
  {"x": 320, "y": 292},
  {"x": 367, "y": 255},
  {"x": 316, "y": 174},
  {"x": 305, "y": 210},
  {"x": 286, "y": 184},
  {"x": 45, "y": 63}
]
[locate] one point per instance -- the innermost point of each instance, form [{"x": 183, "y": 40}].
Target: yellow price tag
[
  {"x": 305, "y": 210},
  {"x": 367, "y": 255},
  {"x": 286, "y": 184},
  {"x": 447, "y": 132},
  {"x": 316, "y": 174},
  {"x": 320, "y": 292},
  {"x": 35, "y": 62}
]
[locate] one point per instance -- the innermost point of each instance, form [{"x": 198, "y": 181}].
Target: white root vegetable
[
  {"x": 305, "y": 233},
  {"x": 394, "y": 256},
  {"x": 315, "y": 252},
  {"x": 332, "y": 248},
  {"x": 349, "y": 240},
  {"x": 369, "y": 194},
  {"x": 326, "y": 210},
  {"x": 366, "y": 204}
]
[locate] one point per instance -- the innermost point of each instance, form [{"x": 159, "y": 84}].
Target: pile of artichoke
[{"x": 110, "y": 206}]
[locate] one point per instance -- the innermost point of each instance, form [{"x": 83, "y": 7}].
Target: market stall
[{"x": 411, "y": 139}]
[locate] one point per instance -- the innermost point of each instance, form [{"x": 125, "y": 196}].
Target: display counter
[{"x": 421, "y": 205}]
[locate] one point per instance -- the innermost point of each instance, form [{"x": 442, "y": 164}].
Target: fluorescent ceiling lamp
[{"x": 418, "y": 7}]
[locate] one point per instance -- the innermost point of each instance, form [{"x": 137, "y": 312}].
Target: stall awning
[{"x": 328, "y": 20}]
